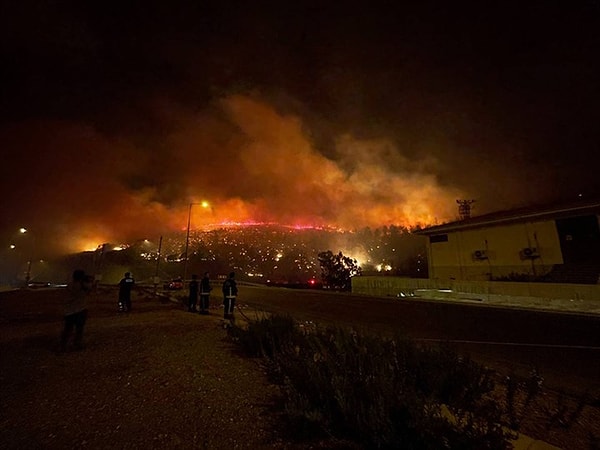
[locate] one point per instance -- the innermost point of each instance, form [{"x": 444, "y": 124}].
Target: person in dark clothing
[
  {"x": 230, "y": 291},
  {"x": 193, "y": 297},
  {"x": 76, "y": 309},
  {"x": 205, "y": 289},
  {"x": 125, "y": 286}
]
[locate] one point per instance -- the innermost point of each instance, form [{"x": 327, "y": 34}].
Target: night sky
[{"x": 114, "y": 118}]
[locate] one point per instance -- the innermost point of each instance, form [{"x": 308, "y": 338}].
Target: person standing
[
  {"x": 125, "y": 286},
  {"x": 230, "y": 291},
  {"x": 205, "y": 289},
  {"x": 193, "y": 297},
  {"x": 76, "y": 309}
]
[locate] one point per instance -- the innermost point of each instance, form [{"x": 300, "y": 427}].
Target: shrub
[
  {"x": 378, "y": 392},
  {"x": 266, "y": 336}
]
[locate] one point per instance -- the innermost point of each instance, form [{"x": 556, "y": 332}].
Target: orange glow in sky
[{"x": 238, "y": 162}]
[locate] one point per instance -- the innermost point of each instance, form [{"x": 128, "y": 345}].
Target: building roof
[{"x": 519, "y": 215}]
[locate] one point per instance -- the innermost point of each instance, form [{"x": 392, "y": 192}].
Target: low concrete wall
[{"x": 476, "y": 290}]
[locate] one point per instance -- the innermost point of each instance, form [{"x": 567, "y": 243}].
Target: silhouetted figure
[
  {"x": 205, "y": 289},
  {"x": 125, "y": 286},
  {"x": 229, "y": 295},
  {"x": 193, "y": 297},
  {"x": 76, "y": 308}
]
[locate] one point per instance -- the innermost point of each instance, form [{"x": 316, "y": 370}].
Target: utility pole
[
  {"x": 187, "y": 237},
  {"x": 187, "y": 243},
  {"x": 157, "y": 263}
]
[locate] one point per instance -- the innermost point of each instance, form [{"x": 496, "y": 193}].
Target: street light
[
  {"x": 24, "y": 230},
  {"x": 204, "y": 204}
]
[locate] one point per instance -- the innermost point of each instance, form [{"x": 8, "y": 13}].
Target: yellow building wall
[{"x": 455, "y": 260}]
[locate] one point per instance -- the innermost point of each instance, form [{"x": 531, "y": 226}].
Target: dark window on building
[
  {"x": 438, "y": 238},
  {"x": 579, "y": 239}
]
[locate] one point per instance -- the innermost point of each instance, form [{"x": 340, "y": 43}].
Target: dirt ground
[{"x": 158, "y": 377}]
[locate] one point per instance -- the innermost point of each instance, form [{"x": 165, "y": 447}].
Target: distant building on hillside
[{"x": 559, "y": 244}]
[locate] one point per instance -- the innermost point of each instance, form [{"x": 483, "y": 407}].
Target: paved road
[{"x": 564, "y": 347}]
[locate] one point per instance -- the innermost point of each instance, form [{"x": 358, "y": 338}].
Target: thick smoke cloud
[{"x": 80, "y": 188}]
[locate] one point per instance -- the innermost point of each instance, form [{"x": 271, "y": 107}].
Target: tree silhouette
[{"x": 337, "y": 270}]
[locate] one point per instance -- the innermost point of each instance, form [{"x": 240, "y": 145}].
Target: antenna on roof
[{"x": 464, "y": 208}]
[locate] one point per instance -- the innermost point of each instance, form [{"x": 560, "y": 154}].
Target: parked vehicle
[{"x": 174, "y": 285}]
